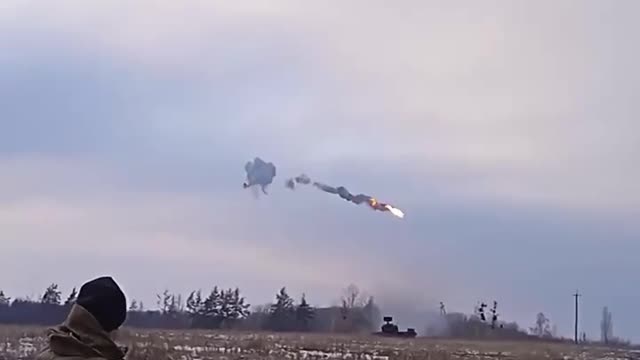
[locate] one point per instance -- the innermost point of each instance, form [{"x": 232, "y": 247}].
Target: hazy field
[{"x": 23, "y": 343}]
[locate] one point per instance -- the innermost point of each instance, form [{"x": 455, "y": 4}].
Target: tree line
[
  {"x": 221, "y": 308},
  {"x": 215, "y": 309}
]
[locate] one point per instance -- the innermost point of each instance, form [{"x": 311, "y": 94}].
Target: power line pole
[{"x": 576, "y": 295}]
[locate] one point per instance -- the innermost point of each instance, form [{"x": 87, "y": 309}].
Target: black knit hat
[{"x": 103, "y": 298}]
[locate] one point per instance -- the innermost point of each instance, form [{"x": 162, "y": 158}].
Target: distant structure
[
  {"x": 576, "y": 296},
  {"x": 480, "y": 311},
  {"x": 494, "y": 314},
  {"x": 391, "y": 330}
]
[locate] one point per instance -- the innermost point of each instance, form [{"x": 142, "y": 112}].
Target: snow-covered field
[{"x": 23, "y": 343}]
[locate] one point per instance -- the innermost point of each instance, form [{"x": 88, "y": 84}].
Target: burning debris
[
  {"x": 260, "y": 173},
  {"x": 346, "y": 195}
]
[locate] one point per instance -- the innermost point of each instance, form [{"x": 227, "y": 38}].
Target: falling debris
[
  {"x": 346, "y": 195},
  {"x": 260, "y": 173},
  {"x": 385, "y": 207}
]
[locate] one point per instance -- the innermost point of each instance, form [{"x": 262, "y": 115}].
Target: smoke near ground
[
  {"x": 259, "y": 173},
  {"x": 410, "y": 310}
]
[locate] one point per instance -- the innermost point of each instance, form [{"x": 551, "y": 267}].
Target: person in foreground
[{"x": 100, "y": 309}]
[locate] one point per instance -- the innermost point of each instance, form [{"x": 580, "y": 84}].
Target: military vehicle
[{"x": 391, "y": 330}]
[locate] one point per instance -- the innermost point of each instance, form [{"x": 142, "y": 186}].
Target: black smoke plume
[{"x": 259, "y": 173}]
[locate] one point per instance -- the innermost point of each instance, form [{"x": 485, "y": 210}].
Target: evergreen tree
[
  {"x": 164, "y": 301},
  {"x": 52, "y": 295},
  {"x": 304, "y": 314},
  {"x": 212, "y": 304},
  {"x": 196, "y": 309},
  {"x": 212, "y": 309},
  {"x": 4, "y": 300},
  {"x": 233, "y": 306},
  {"x": 134, "y": 305},
  {"x": 72, "y": 297},
  {"x": 240, "y": 309},
  {"x": 282, "y": 312},
  {"x": 225, "y": 304},
  {"x": 195, "y": 303}
]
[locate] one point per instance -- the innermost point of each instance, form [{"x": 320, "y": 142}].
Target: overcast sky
[{"x": 506, "y": 130}]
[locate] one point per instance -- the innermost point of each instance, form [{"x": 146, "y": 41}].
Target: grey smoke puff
[
  {"x": 303, "y": 179},
  {"x": 260, "y": 173},
  {"x": 291, "y": 184},
  {"x": 343, "y": 193},
  {"x": 300, "y": 179}
]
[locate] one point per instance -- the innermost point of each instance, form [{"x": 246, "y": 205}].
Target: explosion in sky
[{"x": 260, "y": 173}]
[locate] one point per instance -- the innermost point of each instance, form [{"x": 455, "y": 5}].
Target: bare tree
[
  {"x": 352, "y": 297},
  {"x": 606, "y": 326},
  {"x": 169, "y": 303},
  {"x": 4, "y": 300},
  {"x": 73, "y": 296},
  {"x": 542, "y": 328}
]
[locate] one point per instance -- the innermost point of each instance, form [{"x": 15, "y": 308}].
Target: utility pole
[{"x": 576, "y": 295}]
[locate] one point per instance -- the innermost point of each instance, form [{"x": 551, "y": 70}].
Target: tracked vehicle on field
[{"x": 389, "y": 329}]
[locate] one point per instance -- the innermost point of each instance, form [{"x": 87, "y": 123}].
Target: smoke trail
[{"x": 344, "y": 193}]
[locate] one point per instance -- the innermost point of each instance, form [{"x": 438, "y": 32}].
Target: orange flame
[{"x": 385, "y": 207}]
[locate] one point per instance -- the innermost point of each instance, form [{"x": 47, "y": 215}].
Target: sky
[{"x": 507, "y": 131}]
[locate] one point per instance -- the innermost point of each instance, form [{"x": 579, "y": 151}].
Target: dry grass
[{"x": 23, "y": 343}]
